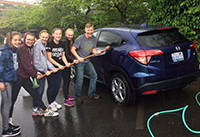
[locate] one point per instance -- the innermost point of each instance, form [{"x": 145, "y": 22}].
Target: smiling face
[
  {"x": 16, "y": 41},
  {"x": 44, "y": 37},
  {"x": 89, "y": 31},
  {"x": 57, "y": 35},
  {"x": 29, "y": 41},
  {"x": 69, "y": 34}
]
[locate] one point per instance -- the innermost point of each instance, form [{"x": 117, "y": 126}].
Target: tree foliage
[
  {"x": 74, "y": 13},
  {"x": 184, "y": 14}
]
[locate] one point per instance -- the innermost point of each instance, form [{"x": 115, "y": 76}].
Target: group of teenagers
[{"x": 48, "y": 58}]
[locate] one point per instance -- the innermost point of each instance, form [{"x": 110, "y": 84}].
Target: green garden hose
[{"x": 183, "y": 109}]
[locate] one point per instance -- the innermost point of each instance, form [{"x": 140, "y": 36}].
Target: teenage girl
[
  {"x": 8, "y": 75},
  {"x": 56, "y": 55},
  {"x": 42, "y": 64}
]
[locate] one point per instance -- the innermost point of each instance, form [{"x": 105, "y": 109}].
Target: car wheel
[{"x": 121, "y": 90}]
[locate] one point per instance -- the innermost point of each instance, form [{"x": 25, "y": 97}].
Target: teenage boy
[{"x": 83, "y": 46}]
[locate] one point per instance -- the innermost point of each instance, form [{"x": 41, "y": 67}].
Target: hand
[
  {"x": 39, "y": 76},
  {"x": 55, "y": 70},
  {"x": 48, "y": 73},
  {"x": 61, "y": 67},
  {"x": 2, "y": 86},
  {"x": 80, "y": 59},
  {"x": 75, "y": 61},
  {"x": 68, "y": 64},
  {"x": 99, "y": 52},
  {"x": 38, "y": 73},
  {"x": 107, "y": 47}
]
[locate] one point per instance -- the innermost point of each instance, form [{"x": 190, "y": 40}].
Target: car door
[{"x": 103, "y": 62}]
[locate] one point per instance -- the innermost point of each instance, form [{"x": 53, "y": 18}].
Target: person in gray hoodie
[{"x": 41, "y": 63}]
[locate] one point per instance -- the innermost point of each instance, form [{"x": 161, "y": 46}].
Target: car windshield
[{"x": 160, "y": 38}]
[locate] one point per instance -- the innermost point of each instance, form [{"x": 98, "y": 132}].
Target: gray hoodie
[{"x": 41, "y": 62}]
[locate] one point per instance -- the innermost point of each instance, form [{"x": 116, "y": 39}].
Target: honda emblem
[{"x": 178, "y": 48}]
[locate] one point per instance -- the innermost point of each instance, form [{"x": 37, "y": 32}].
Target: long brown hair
[
  {"x": 10, "y": 35},
  {"x": 71, "y": 41}
]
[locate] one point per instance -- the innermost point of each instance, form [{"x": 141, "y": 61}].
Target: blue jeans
[
  {"x": 40, "y": 90},
  {"x": 87, "y": 68},
  {"x": 53, "y": 86},
  {"x": 41, "y": 82}
]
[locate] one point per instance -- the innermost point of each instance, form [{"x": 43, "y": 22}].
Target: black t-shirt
[{"x": 56, "y": 51}]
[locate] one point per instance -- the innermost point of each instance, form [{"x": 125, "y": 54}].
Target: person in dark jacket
[
  {"x": 27, "y": 70},
  {"x": 8, "y": 75}
]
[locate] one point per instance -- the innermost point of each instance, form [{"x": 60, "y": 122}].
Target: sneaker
[
  {"x": 52, "y": 107},
  {"x": 95, "y": 96},
  {"x": 34, "y": 108},
  {"x": 71, "y": 98},
  {"x": 38, "y": 112},
  {"x": 10, "y": 133},
  {"x": 68, "y": 103},
  {"x": 51, "y": 114},
  {"x": 58, "y": 106},
  {"x": 14, "y": 127}
]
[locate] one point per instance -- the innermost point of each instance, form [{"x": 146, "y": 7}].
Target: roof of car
[{"x": 134, "y": 28}]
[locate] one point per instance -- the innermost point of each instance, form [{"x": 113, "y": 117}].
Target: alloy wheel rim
[{"x": 118, "y": 89}]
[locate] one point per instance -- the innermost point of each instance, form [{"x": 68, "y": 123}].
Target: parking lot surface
[{"x": 105, "y": 118}]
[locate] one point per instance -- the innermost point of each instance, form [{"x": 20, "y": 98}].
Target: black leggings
[
  {"x": 28, "y": 86},
  {"x": 66, "y": 80}
]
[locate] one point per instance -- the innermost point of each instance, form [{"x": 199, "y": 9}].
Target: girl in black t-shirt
[{"x": 56, "y": 55}]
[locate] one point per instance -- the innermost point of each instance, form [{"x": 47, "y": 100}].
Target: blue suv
[{"x": 144, "y": 61}]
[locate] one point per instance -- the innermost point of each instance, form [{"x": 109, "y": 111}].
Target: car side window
[
  {"x": 95, "y": 34},
  {"x": 109, "y": 38}
]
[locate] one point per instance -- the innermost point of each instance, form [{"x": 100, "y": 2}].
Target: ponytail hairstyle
[{"x": 10, "y": 35}]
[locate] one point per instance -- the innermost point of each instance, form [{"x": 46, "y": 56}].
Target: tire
[{"x": 121, "y": 90}]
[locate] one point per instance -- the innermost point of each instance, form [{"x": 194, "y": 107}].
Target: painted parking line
[{"x": 140, "y": 115}]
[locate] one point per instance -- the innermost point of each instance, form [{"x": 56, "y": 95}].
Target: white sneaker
[
  {"x": 51, "y": 114},
  {"x": 52, "y": 107},
  {"x": 58, "y": 106}
]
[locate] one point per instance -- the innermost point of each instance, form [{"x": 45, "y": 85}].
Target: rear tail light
[
  {"x": 194, "y": 45},
  {"x": 150, "y": 92},
  {"x": 144, "y": 56},
  {"x": 165, "y": 28}
]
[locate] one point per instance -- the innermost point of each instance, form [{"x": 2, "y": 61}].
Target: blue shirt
[{"x": 8, "y": 64}]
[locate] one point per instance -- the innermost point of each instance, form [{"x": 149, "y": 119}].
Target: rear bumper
[{"x": 177, "y": 82}]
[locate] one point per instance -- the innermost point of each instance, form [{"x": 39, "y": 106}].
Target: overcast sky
[{"x": 29, "y": 1}]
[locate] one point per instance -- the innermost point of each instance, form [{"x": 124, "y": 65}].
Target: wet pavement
[{"x": 105, "y": 118}]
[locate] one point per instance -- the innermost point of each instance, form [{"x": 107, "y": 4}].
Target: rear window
[{"x": 160, "y": 38}]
